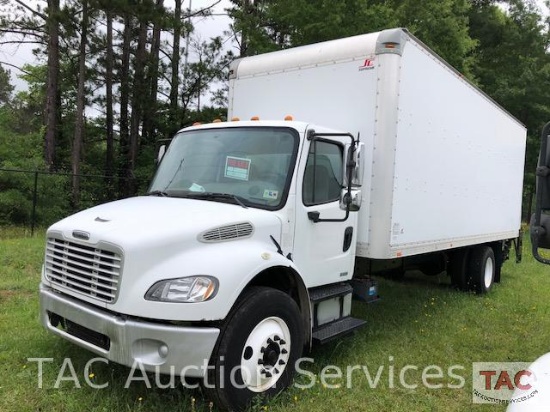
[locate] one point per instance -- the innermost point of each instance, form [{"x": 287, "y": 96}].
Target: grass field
[{"x": 420, "y": 322}]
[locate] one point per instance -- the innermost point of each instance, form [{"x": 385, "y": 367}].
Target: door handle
[{"x": 348, "y": 236}]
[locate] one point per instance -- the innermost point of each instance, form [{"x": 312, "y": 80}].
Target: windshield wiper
[
  {"x": 159, "y": 193},
  {"x": 211, "y": 195}
]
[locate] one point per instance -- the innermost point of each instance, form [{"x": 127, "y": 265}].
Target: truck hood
[
  {"x": 130, "y": 223},
  {"x": 160, "y": 238}
]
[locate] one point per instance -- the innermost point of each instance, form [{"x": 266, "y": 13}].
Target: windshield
[{"x": 247, "y": 166}]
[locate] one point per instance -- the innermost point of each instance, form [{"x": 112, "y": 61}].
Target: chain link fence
[{"x": 33, "y": 198}]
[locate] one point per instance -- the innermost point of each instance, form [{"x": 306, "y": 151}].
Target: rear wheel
[
  {"x": 458, "y": 268},
  {"x": 257, "y": 350},
  {"x": 482, "y": 268}
]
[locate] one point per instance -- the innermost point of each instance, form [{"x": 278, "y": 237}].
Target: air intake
[{"x": 229, "y": 232}]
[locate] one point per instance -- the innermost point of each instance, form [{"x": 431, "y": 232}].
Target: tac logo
[
  {"x": 368, "y": 64},
  {"x": 499, "y": 379},
  {"x": 496, "y": 382}
]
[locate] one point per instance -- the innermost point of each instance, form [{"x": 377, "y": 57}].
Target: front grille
[{"x": 84, "y": 269}]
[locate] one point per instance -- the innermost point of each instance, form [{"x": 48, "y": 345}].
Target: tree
[
  {"x": 80, "y": 104},
  {"x": 152, "y": 78},
  {"x": 211, "y": 66},
  {"x": 6, "y": 88},
  {"x": 124, "y": 76},
  {"x": 41, "y": 28},
  {"x": 109, "y": 101},
  {"x": 28, "y": 105},
  {"x": 52, "y": 87},
  {"x": 267, "y": 25},
  {"x": 512, "y": 63},
  {"x": 175, "y": 64},
  {"x": 443, "y": 26}
]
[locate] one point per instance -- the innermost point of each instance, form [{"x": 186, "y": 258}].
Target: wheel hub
[
  {"x": 488, "y": 275},
  {"x": 265, "y": 354},
  {"x": 271, "y": 355}
]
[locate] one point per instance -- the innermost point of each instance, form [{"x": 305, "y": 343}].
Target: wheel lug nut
[
  {"x": 276, "y": 370},
  {"x": 260, "y": 362},
  {"x": 268, "y": 375},
  {"x": 281, "y": 362},
  {"x": 269, "y": 341},
  {"x": 276, "y": 338},
  {"x": 284, "y": 351},
  {"x": 282, "y": 342}
]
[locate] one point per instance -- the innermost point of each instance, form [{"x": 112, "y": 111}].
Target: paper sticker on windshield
[
  {"x": 237, "y": 168},
  {"x": 271, "y": 194}
]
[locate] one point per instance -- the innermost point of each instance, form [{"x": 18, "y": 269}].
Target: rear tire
[
  {"x": 482, "y": 268},
  {"x": 257, "y": 351},
  {"x": 458, "y": 268}
]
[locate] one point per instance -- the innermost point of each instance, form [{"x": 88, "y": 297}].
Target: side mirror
[
  {"x": 353, "y": 200},
  {"x": 355, "y": 158},
  {"x": 540, "y": 221},
  {"x": 161, "y": 152}
]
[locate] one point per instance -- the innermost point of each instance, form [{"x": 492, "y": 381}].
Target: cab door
[{"x": 324, "y": 251}]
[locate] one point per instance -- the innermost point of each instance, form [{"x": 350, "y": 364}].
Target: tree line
[{"x": 113, "y": 78}]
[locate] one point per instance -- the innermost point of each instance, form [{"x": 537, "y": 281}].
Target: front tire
[{"x": 257, "y": 350}]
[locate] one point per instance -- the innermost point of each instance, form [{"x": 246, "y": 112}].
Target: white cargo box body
[{"x": 444, "y": 162}]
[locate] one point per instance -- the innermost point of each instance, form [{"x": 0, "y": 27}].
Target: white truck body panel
[{"x": 444, "y": 163}]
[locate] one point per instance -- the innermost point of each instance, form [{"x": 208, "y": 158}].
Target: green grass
[{"x": 419, "y": 321}]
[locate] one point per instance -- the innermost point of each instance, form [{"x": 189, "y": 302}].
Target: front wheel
[{"x": 257, "y": 350}]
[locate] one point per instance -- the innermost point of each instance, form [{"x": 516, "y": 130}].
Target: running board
[
  {"x": 336, "y": 329},
  {"x": 327, "y": 292}
]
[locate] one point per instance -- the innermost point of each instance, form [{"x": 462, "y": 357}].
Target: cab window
[{"x": 323, "y": 174}]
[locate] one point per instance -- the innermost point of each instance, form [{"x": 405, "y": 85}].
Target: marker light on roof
[
  {"x": 289, "y": 118},
  {"x": 255, "y": 118}
]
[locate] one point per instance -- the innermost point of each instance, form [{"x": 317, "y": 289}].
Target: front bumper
[{"x": 161, "y": 348}]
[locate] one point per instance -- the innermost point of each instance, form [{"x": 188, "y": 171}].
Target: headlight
[{"x": 191, "y": 289}]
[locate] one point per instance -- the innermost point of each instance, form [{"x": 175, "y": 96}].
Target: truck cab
[{"x": 224, "y": 264}]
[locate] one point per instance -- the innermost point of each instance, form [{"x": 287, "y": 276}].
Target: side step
[
  {"x": 327, "y": 292},
  {"x": 336, "y": 329}
]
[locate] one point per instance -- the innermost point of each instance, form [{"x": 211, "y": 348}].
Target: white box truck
[{"x": 242, "y": 253}]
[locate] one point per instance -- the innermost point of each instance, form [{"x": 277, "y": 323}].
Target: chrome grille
[
  {"x": 84, "y": 269},
  {"x": 229, "y": 232}
]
